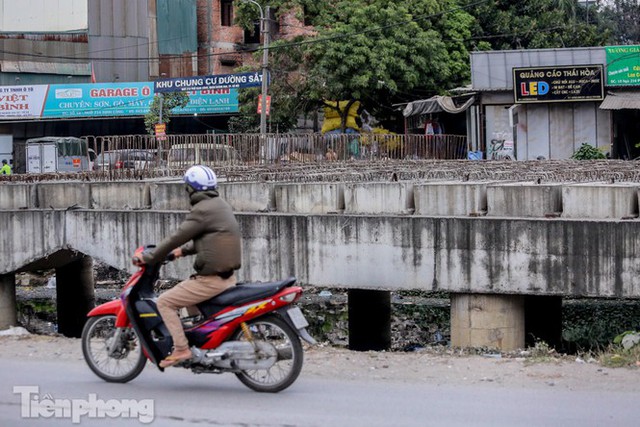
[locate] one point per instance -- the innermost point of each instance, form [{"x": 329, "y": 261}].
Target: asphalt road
[{"x": 180, "y": 398}]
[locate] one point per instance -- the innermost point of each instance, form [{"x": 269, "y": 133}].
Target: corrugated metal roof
[
  {"x": 623, "y": 100},
  {"x": 46, "y": 68},
  {"x": 492, "y": 70},
  {"x": 120, "y": 31},
  {"x": 41, "y": 49}
]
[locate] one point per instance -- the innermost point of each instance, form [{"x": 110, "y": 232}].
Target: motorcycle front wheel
[
  {"x": 274, "y": 332},
  {"x": 126, "y": 359}
]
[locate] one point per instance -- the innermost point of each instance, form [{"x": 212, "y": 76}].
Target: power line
[
  {"x": 257, "y": 49},
  {"x": 287, "y": 45}
]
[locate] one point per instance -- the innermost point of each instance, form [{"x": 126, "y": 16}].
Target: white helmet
[{"x": 200, "y": 178}]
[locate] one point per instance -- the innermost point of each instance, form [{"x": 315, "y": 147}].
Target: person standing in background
[{"x": 6, "y": 169}]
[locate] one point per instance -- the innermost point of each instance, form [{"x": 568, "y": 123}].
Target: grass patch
[{"x": 617, "y": 357}]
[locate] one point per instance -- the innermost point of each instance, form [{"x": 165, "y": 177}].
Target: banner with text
[
  {"x": 103, "y": 100},
  {"x": 623, "y": 65},
  {"x": 219, "y": 81},
  {"x": 558, "y": 84}
]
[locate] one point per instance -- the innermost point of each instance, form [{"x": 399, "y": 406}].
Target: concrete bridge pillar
[
  {"x": 75, "y": 295},
  {"x": 369, "y": 320},
  {"x": 8, "y": 312},
  {"x": 543, "y": 320},
  {"x": 487, "y": 320}
]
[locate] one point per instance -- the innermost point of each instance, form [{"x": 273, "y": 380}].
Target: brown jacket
[{"x": 210, "y": 231}]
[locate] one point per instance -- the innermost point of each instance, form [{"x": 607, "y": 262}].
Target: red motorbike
[{"x": 252, "y": 330}]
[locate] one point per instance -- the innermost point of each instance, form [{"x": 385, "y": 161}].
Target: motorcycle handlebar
[{"x": 138, "y": 255}]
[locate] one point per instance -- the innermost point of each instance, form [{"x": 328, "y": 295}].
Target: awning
[
  {"x": 621, "y": 101},
  {"x": 436, "y": 104}
]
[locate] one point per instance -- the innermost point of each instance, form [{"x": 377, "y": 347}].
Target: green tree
[
  {"x": 535, "y": 24},
  {"x": 169, "y": 102},
  {"x": 380, "y": 52},
  {"x": 622, "y": 17}
]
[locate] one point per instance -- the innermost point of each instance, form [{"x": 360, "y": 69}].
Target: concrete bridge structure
[{"x": 506, "y": 251}]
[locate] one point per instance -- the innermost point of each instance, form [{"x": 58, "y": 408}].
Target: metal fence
[{"x": 180, "y": 151}]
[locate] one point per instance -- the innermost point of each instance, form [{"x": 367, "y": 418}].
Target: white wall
[
  {"x": 43, "y": 15},
  {"x": 6, "y": 148},
  {"x": 555, "y": 130}
]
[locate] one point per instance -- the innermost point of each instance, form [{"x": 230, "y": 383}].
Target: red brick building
[{"x": 223, "y": 46}]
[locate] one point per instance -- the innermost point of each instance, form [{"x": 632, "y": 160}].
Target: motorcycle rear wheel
[
  {"x": 122, "y": 366},
  {"x": 283, "y": 373}
]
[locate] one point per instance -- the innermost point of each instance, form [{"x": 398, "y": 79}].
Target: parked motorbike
[{"x": 252, "y": 330}]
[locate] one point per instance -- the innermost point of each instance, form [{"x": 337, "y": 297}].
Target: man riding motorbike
[{"x": 211, "y": 232}]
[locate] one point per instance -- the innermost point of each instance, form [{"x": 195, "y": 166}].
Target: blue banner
[
  {"x": 128, "y": 99},
  {"x": 219, "y": 81}
]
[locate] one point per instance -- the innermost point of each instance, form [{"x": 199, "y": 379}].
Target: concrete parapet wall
[
  {"x": 120, "y": 195},
  {"x": 309, "y": 198},
  {"x": 524, "y": 200},
  {"x": 248, "y": 196},
  {"x": 443, "y": 198},
  {"x": 450, "y": 198},
  {"x": 16, "y": 196},
  {"x": 601, "y": 201},
  {"x": 242, "y": 196},
  {"x": 168, "y": 196},
  {"x": 379, "y": 198},
  {"x": 63, "y": 195}
]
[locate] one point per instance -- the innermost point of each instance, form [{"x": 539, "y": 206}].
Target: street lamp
[{"x": 264, "y": 29}]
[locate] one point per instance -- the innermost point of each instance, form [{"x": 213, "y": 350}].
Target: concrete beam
[
  {"x": 459, "y": 254},
  {"x": 28, "y": 236}
]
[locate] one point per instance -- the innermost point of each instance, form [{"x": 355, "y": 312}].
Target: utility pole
[
  {"x": 264, "y": 30},
  {"x": 265, "y": 72}
]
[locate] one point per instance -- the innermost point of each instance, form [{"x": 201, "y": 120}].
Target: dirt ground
[{"x": 439, "y": 366}]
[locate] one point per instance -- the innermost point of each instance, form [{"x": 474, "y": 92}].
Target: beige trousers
[{"x": 186, "y": 294}]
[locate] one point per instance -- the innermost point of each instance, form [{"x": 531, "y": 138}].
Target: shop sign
[
  {"x": 558, "y": 84},
  {"x": 219, "y": 81},
  {"x": 103, "y": 100},
  {"x": 623, "y": 65}
]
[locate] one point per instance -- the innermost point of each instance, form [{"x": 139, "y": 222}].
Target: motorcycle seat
[{"x": 243, "y": 293}]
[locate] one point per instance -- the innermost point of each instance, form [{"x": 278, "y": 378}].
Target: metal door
[
  {"x": 34, "y": 163},
  {"x": 49, "y": 157}
]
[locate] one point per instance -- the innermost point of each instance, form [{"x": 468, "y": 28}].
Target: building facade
[
  {"x": 545, "y": 103},
  {"x": 119, "y": 42}
]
